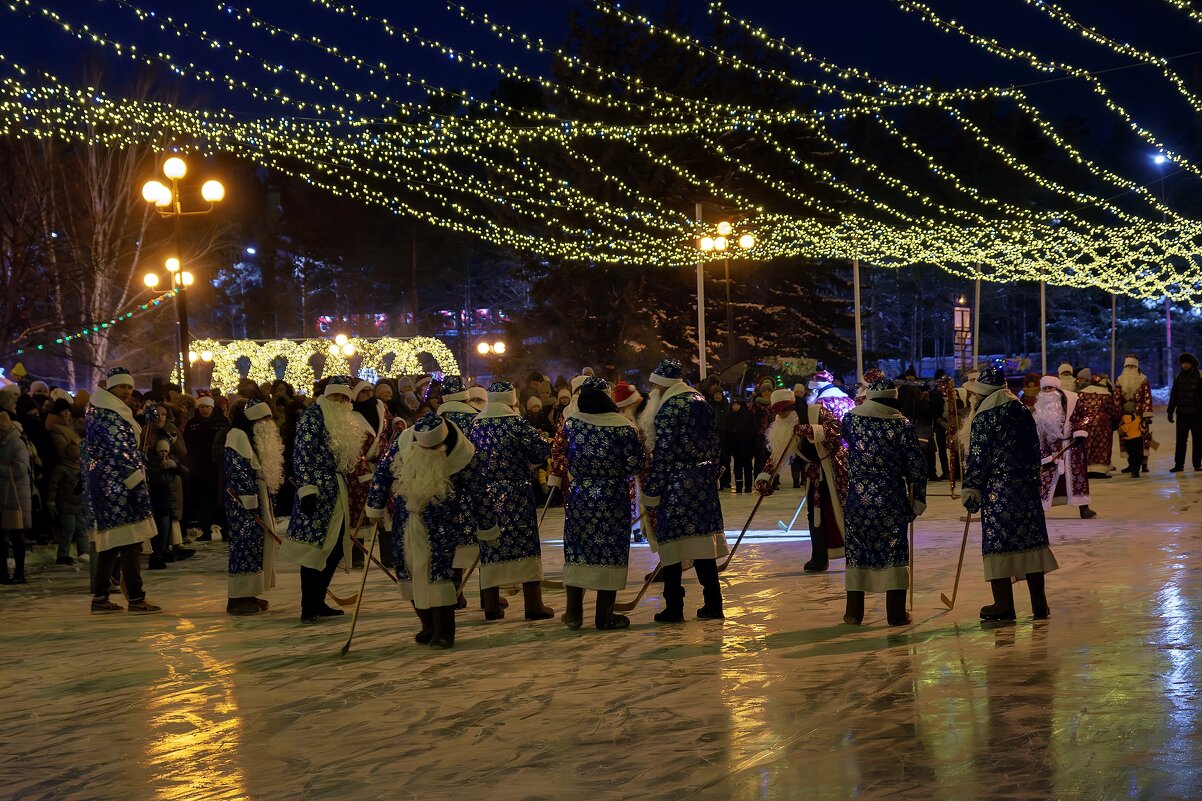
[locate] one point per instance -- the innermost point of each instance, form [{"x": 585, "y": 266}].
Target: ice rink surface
[{"x": 782, "y": 701}]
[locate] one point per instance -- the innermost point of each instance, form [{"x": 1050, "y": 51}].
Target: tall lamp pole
[
  {"x": 167, "y": 204},
  {"x": 710, "y": 244}
]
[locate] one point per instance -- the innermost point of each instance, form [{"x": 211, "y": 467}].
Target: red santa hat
[
  {"x": 820, "y": 379},
  {"x": 626, "y": 395},
  {"x": 782, "y": 399},
  {"x": 1049, "y": 381}
]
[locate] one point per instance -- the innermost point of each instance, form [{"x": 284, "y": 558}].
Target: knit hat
[
  {"x": 881, "y": 388},
  {"x": 1130, "y": 361},
  {"x": 477, "y": 393},
  {"x": 667, "y": 373},
  {"x": 1049, "y": 381},
  {"x": 1188, "y": 358},
  {"x": 8, "y": 398},
  {"x": 820, "y": 379},
  {"x": 534, "y": 403},
  {"x": 429, "y": 431},
  {"x": 39, "y": 388},
  {"x": 61, "y": 394},
  {"x": 340, "y": 385},
  {"x": 502, "y": 392},
  {"x": 626, "y": 395},
  {"x": 564, "y": 395},
  {"x": 453, "y": 389},
  {"x": 1085, "y": 374},
  {"x": 206, "y": 401},
  {"x": 598, "y": 384},
  {"x": 782, "y": 399},
  {"x": 1064, "y": 367},
  {"x": 990, "y": 379},
  {"x": 257, "y": 409},
  {"x": 118, "y": 376}
]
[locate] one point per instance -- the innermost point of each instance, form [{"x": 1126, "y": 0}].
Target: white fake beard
[
  {"x": 779, "y": 434},
  {"x": 647, "y": 418},
  {"x": 270, "y": 450},
  {"x": 423, "y": 478},
  {"x": 964, "y": 435},
  {"x": 1049, "y": 417},
  {"x": 346, "y": 435},
  {"x": 1129, "y": 382}
]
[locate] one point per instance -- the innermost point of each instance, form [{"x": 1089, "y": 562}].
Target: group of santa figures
[{"x": 454, "y": 490}]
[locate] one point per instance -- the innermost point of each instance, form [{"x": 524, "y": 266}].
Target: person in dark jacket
[
  {"x": 204, "y": 430},
  {"x": 721, "y": 412},
  {"x": 741, "y": 434},
  {"x": 163, "y": 472},
  {"x": 1185, "y": 402}
]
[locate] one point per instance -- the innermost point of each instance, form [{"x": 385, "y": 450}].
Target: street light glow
[
  {"x": 206, "y": 355},
  {"x": 250, "y": 251},
  {"x": 498, "y": 348},
  {"x": 747, "y": 241},
  {"x": 707, "y": 243},
  {"x": 192, "y": 356},
  {"x": 151, "y": 280},
  {"x": 187, "y": 278},
  {"x": 724, "y": 228},
  {"x": 348, "y": 349},
  {"x": 175, "y": 168},
  {"x": 156, "y": 193},
  {"x": 340, "y": 340},
  {"x": 1160, "y": 158},
  {"x": 172, "y": 265},
  {"x": 720, "y": 243},
  {"x": 483, "y": 348},
  {"x": 212, "y": 191}
]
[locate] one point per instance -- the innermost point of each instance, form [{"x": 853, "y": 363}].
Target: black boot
[
  {"x": 673, "y": 611},
  {"x": 853, "y": 615},
  {"x": 385, "y": 538},
  {"x": 443, "y": 618},
  {"x": 1039, "y": 599},
  {"x": 819, "y": 561},
  {"x": 711, "y": 590},
  {"x": 605, "y": 619},
  {"x": 426, "y": 616},
  {"x": 532, "y": 593},
  {"x": 490, "y": 602},
  {"x": 895, "y": 608},
  {"x": 573, "y": 618},
  {"x": 1087, "y": 513},
  {"x": 1002, "y": 607}
]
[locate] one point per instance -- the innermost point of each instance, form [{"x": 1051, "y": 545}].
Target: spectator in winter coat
[
  {"x": 16, "y": 504},
  {"x": 1185, "y": 402},
  {"x": 64, "y": 504},
  {"x": 721, "y": 411},
  {"x": 162, "y": 472},
  {"x": 741, "y": 435},
  {"x": 202, "y": 432}
]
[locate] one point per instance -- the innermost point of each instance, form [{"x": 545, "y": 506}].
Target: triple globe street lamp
[
  {"x": 166, "y": 200},
  {"x": 717, "y": 244}
]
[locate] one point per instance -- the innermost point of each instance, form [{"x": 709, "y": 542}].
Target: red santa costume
[
  {"x": 866, "y": 380},
  {"x": 1061, "y": 422},
  {"x": 1098, "y": 404},
  {"x": 823, "y": 391},
  {"x": 818, "y": 442},
  {"x": 557, "y": 472},
  {"x": 373, "y": 419},
  {"x": 1131, "y": 387}
]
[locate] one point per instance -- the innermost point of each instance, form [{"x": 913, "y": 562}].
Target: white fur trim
[
  {"x": 337, "y": 389},
  {"x": 249, "y": 501},
  {"x": 434, "y": 436},
  {"x": 664, "y": 381},
  {"x": 103, "y": 399},
  {"x": 881, "y": 393},
  {"x": 871, "y": 408},
  {"x": 595, "y": 577},
  {"x": 509, "y": 398},
  {"x": 1018, "y": 565},
  {"x": 517, "y": 571},
  {"x": 863, "y": 579},
  {"x": 489, "y": 534},
  {"x": 650, "y": 501},
  {"x": 259, "y": 410},
  {"x": 134, "y": 479},
  {"x": 634, "y": 398},
  {"x": 449, "y": 405},
  {"x": 119, "y": 380},
  {"x": 1130, "y": 361},
  {"x": 207, "y": 400},
  {"x": 576, "y": 382},
  {"x": 496, "y": 410},
  {"x": 306, "y": 491},
  {"x": 703, "y": 546},
  {"x": 604, "y": 420}
]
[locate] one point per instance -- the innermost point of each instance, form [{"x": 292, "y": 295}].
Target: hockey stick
[
  {"x": 366, "y": 552},
  {"x": 359, "y": 603},
  {"x": 468, "y": 574},
  {"x": 781, "y": 524},
  {"x": 956, "y": 587},
  {"x": 1050, "y": 464},
  {"x": 267, "y": 529},
  {"x": 546, "y": 506},
  {"x": 628, "y": 606},
  {"x": 754, "y": 509},
  {"x": 912, "y": 550}
]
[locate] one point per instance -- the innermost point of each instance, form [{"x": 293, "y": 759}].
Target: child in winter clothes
[
  {"x": 1131, "y": 434},
  {"x": 163, "y": 471}
]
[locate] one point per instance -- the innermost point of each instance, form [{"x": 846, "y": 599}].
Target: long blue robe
[
  {"x": 423, "y": 547},
  {"x": 117, "y": 502},
  {"x": 251, "y": 549},
  {"x": 1003, "y": 468},
  {"x": 462, "y": 415},
  {"x": 882, "y": 456},
  {"x": 682, "y": 482},
  {"x": 604, "y": 451},
  {"x": 509, "y": 448},
  {"x": 311, "y": 538}
]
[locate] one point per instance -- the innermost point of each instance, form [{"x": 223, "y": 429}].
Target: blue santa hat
[
  {"x": 118, "y": 376},
  {"x": 257, "y": 410},
  {"x": 881, "y": 388},
  {"x": 502, "y": 392},
  {"x": 988, "y": 381},
  {"x": 667, "y": 373},
  {"x": 430, "y": 431},
  {"x": 453, "y": 389},
  {"x": 340, "y": 385},
  {"x": 592, "y": 382}
]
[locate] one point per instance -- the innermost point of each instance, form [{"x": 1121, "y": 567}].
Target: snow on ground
[{"x": 782, "y": 701}]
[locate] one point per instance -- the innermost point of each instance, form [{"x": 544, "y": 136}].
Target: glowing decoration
[
  {"x": 186, "y": 278},
  {"x": 707, "y": 243},
  {"x": 206, "y": 355},
  {"x": 724, "y": 228},
  {"x": 348, "y": 349},
  {"x": 483, "y": 348},
  {"x": 747, "y": 241},
  {"x": 172, "y": 265},
  {"x": 212, "y": 191},
  {"x": 175, "y": 168},
  {"x": 193, "y": 356},
  {"x": 340, "y": 340},
  {"x": 155, "y": 192},
  {"x": 98, "y": 327},
  {"x": 498, "y": 348},
  {"x": 151, "y": 280}
]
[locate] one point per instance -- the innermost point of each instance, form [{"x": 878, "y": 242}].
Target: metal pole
[
  {"x": 181, "y": 300},
  {"x": 1043, "y": 328},
  {"x": 730, "y": 328},
  {"x": 855, "y": 274},
  {"x": 700, "y": 307},
  {"x": 1113, "y": 328},
  {"x": 976, "y": 321},
  {"x": 1168, "y": 341}
]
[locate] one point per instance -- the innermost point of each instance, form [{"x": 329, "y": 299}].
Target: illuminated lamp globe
[
  {"x": 151, "y": 280},
  {"x": 334, "y": 349},
  {"x": 206, "y": 355},
  {"x": 192, "y": 357},
  {"x": 172, "y": 265},
  {"x": 747, "y": 241},
  {"x": 348, "y": 349},
  {"x": 498, "y": 348},
  {"x": 707, "y": 243},
  {"x": 340, "y": 340},
  {"x": 724, "y": 228},
  {"x": 154, "y": 192},
  {"x": 187, "y": 278},
  {"x": 720, "y": 243},
  {"x": 212, "y": 191},
  {"x": 483, "y": 348},
  {"x": 175, "y": 168}
]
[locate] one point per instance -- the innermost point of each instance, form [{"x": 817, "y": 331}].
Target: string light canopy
[{"x": 536, "y": 181}]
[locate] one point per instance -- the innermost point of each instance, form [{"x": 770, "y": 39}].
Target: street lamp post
[
  {"x": 167, "y": 204},
  {"x": 709, "y": 244}
]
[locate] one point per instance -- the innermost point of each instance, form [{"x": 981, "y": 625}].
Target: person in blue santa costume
[
  {"x": 680, "y": 495},
  {"x": 455, "y": 409},
  {"x": 509, "y": 449},
  {"x": 254, "y": 472},
  {"x": 887, "y": 490},
  {"x": 1002, "y": 482},
  {"x": 117, "y": 498},
  {"x": 375, "y": 421},
  {"x": 433, "y": 472},
  {"x": 604, "y": 452},
  {"x": 328, "y": 446}
]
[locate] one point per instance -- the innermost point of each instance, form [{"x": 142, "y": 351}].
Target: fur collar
[
  {"x": 871, "y": 408},
  {"x": 679, "y": 388},
  {"x": 496, "y": 410},
  {"x": 447, "y": 407},
  {"x": 103, "y": 399},
  {"x": 237, "y": 441},
  {"x": 604, "y": 420}
]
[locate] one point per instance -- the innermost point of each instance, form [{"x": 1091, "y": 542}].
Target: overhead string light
[{"x": 95, "y": 328}]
